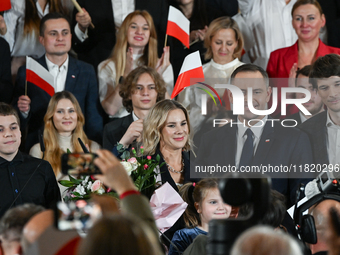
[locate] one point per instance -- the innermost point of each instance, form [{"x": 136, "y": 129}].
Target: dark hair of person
[
  {"x": 119, "y": 235},
  {"x": 49, "y": 16},
  {"x": 14, "y": 220},
  {"x": 304, "y": 2},
  {"x": 324, "y": 67},
  {"x": 195, "y": 195},
  {"x": 129, "y": 85},
  {"x": 32, "y": 19},
  {"x": 6, "y": 110},
  {"x": 250, "y": 68},
  {"x": 303, "y": 71}
]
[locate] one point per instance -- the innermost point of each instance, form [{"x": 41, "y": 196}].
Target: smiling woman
[{"x": 64, "y": 123}]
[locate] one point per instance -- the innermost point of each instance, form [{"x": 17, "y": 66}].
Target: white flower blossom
[
  {"x": 127, "y": 166},
  {"x": 80, "y": 189},
  {"x": 89, "y": 185}
]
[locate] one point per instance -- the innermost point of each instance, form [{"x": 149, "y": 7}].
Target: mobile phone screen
[{"x": 79, "y": 164}]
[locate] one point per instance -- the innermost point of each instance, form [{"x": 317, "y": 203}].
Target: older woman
[
  {"x": 308, "y": 19},
  {"x": 224, "y": 44},
  {"x": 64, "y": 123},
  {"x": 136, "y": 45}
]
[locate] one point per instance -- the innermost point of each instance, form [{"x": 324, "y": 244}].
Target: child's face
[{"x": 213, "y": 207}]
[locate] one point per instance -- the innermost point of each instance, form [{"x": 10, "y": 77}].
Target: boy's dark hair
[
  {"x": 7, "y": 110},
  {"x": 303, "y": 71},
  {"x": 250, "y": 68},
  {"x": 52, "y": 15}
]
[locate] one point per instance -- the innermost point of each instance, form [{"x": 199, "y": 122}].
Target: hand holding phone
[{"x": 79, "y": 164}]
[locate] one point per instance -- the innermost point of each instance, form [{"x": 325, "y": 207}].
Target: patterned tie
[{"x": 248, "y": 149}]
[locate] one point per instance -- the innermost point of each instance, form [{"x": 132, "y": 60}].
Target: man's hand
[
  {"x": 134, "y": 132},
  {"x": 3, "y": 27},
  {"x": 24, "y": 103},
  {"x": 83, "y": 19}
]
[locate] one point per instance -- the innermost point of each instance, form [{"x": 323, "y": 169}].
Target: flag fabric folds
[
  {"x": 5, "y": 5},
  {"x": 178, "y": 26},
  {"x": 39, "y": 76},
  {"x": 191, "y": 73}
]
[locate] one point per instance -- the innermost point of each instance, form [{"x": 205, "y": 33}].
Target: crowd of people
[{"x": 113, "y": 74}]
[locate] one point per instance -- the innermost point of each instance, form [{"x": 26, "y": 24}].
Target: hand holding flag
[
  {"x": 191, "y": 69},
  {"x": 178, "y": 26}
]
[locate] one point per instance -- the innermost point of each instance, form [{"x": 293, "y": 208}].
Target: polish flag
[
  {"x": 178, "y": 26},
  {"x": 39, "y": 76},
  {"x": 191, "y": 73},
  {"x": 5, "y": 5}
]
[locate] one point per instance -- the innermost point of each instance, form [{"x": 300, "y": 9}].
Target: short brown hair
[
  {"x": 304, "y": 2},
  {"x": 129, "y": 85},
  {"x": 215, "y": 26},
  {"x": 6, "y": 110}
]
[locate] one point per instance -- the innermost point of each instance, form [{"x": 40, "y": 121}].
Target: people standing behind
[
  {"x": 142, "y": 89},
  {"x": 314, "y": 105},
  {"x": 268, "y": 26},
  {"x": 23, "y": 179},
  {"x": 69, "y": 74},
  {"x": 64, "y": 122},
  {"x": 94, "y": 45},
  {"x": 136, "y": 45},
  {"x": 322, "y": 129},
  {"x": 6, "y": 86},
  {"x": 204, "y": 204},
  {"x": 227, "y": 8},
  {"x": 22, "y": 22},
  {"x": 308, "y": 19},
  {"x": 224, "y": 44},
  {"x": 200, "y": 17}
]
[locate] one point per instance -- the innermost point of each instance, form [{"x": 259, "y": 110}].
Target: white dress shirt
[
  {"x": 20, "y": 44},
  {"x": 257, "y": 130},
  {"x": 270, "y": 25},
  {"x": 333, "y": 145},
  {"x": 59, "y": 74}
]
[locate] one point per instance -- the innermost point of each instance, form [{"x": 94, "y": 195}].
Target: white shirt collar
[
  {"x": 134, "y": 116},
  {"x": 51, "y": 65},
  {"x": 256, "y": 129},
  {"x": 225, "y": 66},
  {"x": 329, "y": 122}
]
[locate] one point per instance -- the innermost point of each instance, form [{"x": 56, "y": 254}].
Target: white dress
[
  {"x": 213, "y": 74},
  {"x": 107, "y": 77},
  {"x": 64, "y": 143}
]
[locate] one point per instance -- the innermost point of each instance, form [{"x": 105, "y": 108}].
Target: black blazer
[
  {"x": 316, "y": 130},
  {"x": 6, "y": 87},
  {"x": 80, "y": 81},
  {"x": 101, "y": 40},
  {"x": 115, "y": 130},
  {"x": 277, "y": 146},
  {"x": 295, "y": 116}
]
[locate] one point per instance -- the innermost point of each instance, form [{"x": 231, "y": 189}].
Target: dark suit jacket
[
  {"x": 6, "y": 87},
  {"x": 115, "y": 130},
  {"x": 81, "y": 81},
  {"x": 316, "y": 129},
  {"x": 296, "y": 117},
  {"x": 277, "y": 146},
  {"x": 101, "y": 40}
]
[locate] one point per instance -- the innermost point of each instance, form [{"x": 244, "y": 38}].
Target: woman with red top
[{"x": 308, "y": 19}]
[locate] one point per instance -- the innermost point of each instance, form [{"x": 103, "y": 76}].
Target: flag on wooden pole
[{"x": 178, "y": 26}]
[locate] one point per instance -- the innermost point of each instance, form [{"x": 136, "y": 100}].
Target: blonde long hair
[
  {"x": 52, "y": 148},
  {"x": 156, "y": 121},
  {"x": 118, "y": 56}
]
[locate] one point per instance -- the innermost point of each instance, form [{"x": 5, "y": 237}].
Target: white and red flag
[
  {"x": 178, "y": 26},
  {"x": 191, "y": 73},
  {"x": 39, "y": 76},
  {"x": 5, "y": 5}
]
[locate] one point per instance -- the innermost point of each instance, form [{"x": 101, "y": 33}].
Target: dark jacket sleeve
[
  {"x": 6, "y": 86},
  {"x": 52, "y": 191}
]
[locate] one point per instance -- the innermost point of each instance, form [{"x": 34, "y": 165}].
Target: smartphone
[
  {"x": 78, "y": 215},
  {"x": 79, "y": 164}
]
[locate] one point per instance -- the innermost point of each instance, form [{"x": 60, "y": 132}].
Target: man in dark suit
[
  {"x": 142, "y": 88},
  {"x": 257, "y": 142},
  {"x": 314, "y": 105},
  {"x": 323, "y": 129},
  {"x": 69, "y": 74},
  {"x": 93, "y": 45},
  {"x": 6, "y": 86}
]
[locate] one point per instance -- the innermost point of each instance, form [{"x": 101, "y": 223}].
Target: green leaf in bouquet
[
  {"x": 125, "y": 155},
  {"x": 75, "y": 181},
  {"x": 66, "y": 183},
  {"x": 158, "y": 158},
  {"x": 68, "y": 151},
  {"x": 76, "y": 194}
]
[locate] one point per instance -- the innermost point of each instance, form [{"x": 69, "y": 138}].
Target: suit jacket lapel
[
  {"x": 72, "y": 75},
  {"x": 265, "y": 143},
  {"x": 320, "y": 144},
  {"x": 42, "y": 61}
]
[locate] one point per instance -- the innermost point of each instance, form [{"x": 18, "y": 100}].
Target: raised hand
[
  {"x": 83, "y": 19},
  {"x": 24, "y": 103},
  {"x": 3, "y": 27},
  {"x": 134, "y": 132},
  {"x": 164, "y": 61}
]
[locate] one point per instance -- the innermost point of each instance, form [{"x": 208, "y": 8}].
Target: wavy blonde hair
[
  {"x": 156, "y": 121},
  {"x": 52, "y": 149},
  {"x": 118, "y": 56},
  {"x": 215, "y": 26}
]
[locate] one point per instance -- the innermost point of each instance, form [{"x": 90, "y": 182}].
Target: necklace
[{"x": 171, "y": 169}]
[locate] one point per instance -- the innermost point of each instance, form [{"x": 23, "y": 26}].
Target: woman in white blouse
[
  {"x": 224, "y": 43},
  {"x": 136, "y": 45},
  {"x": 64, "y": 123}
]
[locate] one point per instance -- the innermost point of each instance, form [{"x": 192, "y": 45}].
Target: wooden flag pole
[
  {"x": 80, "y": 10},
  {"x": 25, "y": 87},
  {"x": 166, "y": 40}
]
